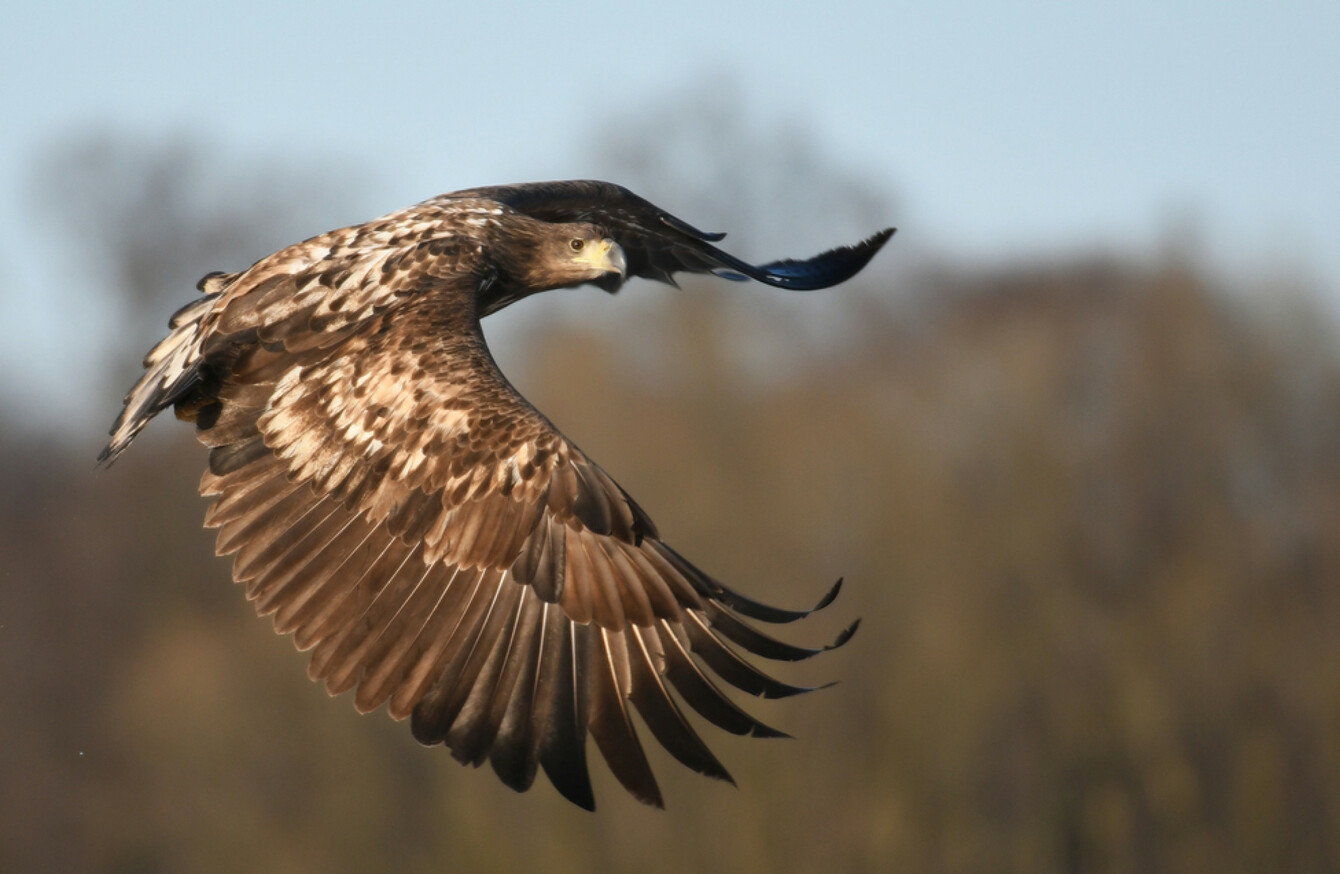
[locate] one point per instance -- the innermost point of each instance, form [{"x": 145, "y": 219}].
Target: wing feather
[
  {"x": 315, "y": 618},
  {"x": 730, "y": 667},
  {"x": 250, "y": 534},
  {"x": 608, "y": 605},
  {"x": 609, "y": 687},
  {"x": 471, "y": 732},
  {"x": 276, "y": 568},
  {"x": 513, "y": 754},
  {"x": 450, "y": 628},
  {"x": 702, "y": 694},
  {"x": 482, "y": 718},
  {"x": 290, "y": 530},
  {"x": 343, "y": 658},
  {"x": 631, "y": 590},
  {"x": 761, "y": 644},
  {"x": 437, "y": 710},
  {"x": 511, "y": 751},
  {"x": 341, "y": 626},
  {"x": 560, "y": 720},
  {"x": 652, "y": 698},
  {"x": 401, "y": 641},
  {"x": 305, "y": 578}
]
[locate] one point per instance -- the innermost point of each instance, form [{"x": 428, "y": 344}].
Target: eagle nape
[{"x": 439, "y": 547}]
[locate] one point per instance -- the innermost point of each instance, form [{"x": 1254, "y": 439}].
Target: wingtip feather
[
  {"x": 828, "y": 597},
  {"x": 846, "y": 635}
]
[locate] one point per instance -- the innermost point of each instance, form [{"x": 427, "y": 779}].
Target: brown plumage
[{"x": 435, "y": 542}]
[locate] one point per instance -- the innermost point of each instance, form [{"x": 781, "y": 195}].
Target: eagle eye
[{"x": 577, "y": 244}]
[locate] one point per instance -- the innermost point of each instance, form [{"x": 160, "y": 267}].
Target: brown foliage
[{"x": 1090, "y": 515}]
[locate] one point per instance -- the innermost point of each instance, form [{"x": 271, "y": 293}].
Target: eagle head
[
  {"x": 577, "y": 252},
  {"x": 536, "y": 256},
  {"x": 587, "y": 255}
]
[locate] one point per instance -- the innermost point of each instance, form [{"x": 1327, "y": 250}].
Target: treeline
[{"x": 1089, "y": 513}]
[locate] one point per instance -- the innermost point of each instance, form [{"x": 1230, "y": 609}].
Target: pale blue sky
[{"x": 1004, "y": 130}]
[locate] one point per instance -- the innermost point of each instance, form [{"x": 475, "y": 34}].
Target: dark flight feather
[{"x": 398, "y": 507}]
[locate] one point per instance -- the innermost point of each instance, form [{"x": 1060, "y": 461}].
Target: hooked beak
[
  {"x": 612, "y": 259},
  {"x": 608, "y": 258}
]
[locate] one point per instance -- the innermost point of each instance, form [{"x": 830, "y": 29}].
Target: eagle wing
[
  {"x": 436, "y": 543},
  {"x": 657, "y": 244}
]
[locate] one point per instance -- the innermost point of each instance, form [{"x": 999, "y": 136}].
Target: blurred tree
[
  {"x": 771, "y": 184},
  {"x": 92, "y": 563},
  {"x": 142, "y": 220}
]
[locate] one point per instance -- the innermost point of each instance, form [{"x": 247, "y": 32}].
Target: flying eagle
[{"x": 407, "y": 515}]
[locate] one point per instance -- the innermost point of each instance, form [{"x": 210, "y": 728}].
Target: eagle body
[{"x": 439, "y": 546}]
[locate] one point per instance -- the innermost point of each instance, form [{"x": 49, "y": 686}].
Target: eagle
[{"x": 434, "y": 541}]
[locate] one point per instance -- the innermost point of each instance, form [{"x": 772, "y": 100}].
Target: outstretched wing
[
  {"x": 440, "y": 547},
  {"x": 657, "y": 244}
]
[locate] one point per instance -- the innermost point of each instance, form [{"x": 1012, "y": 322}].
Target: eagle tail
[{"x": 172, "y": 371}]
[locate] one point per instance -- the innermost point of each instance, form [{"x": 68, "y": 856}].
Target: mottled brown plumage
[{"x": 438, "y": 545}]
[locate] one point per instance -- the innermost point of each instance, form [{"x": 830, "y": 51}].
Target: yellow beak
[{"x": 610, "y": 257}]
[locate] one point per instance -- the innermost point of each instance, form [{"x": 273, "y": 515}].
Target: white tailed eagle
[{"x": 404, "y": 513}]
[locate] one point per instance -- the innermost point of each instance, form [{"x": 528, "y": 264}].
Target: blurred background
[{"x": 1070, "y": 439}]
